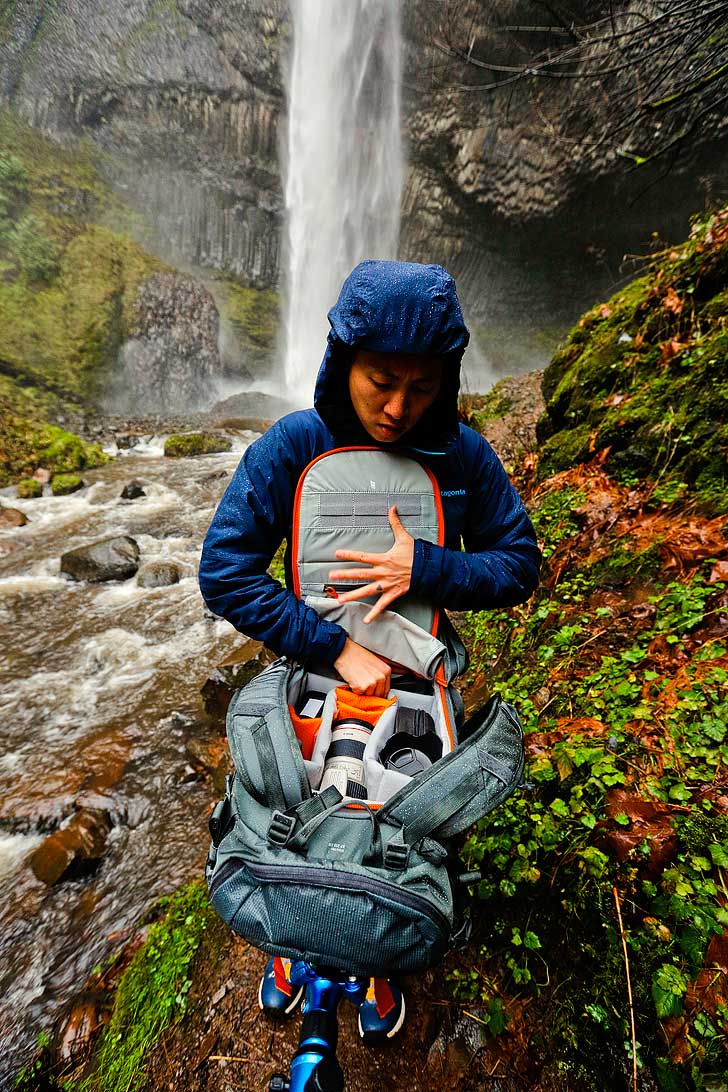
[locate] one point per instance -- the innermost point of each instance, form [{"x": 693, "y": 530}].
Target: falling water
[{"x": 344, "y": 168}]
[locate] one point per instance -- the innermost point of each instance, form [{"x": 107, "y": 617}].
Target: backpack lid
[{"x": 342, "y": 503}]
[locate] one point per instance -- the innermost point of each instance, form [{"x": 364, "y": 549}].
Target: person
[{"x": 390, "y": 377}]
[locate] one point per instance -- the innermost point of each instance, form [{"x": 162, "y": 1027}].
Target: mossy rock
[
  {"x": 642, "y": 376},
  {"x": 29, "y": 489},
  {"x": 63, "y": 484},
  {"x": 195, "y": 443}
]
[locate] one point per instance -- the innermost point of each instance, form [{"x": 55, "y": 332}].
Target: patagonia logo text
[{"x": 453, "y": 493}]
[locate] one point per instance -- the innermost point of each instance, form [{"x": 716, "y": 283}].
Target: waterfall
[{"x": 344, "y": 167}]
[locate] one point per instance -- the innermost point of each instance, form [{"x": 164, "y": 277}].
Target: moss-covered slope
[{"x": 642, "y": 378}]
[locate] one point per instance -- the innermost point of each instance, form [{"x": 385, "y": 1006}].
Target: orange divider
[
  {"x": 360, "y": 706},
  {"x": 306, "y": 729}
]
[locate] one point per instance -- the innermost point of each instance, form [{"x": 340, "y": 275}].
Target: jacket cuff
[
  {"x": 328, "y": 650},
  {"x": 427, "y": 562}
]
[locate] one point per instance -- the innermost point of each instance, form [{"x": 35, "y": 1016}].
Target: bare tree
[{"x": 647, "y": 78}]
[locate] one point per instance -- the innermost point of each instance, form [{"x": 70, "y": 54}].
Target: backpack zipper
[{"x": 331, "y": 877}]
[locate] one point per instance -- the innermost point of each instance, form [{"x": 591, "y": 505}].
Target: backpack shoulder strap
[{"x": 263, "y": 744}]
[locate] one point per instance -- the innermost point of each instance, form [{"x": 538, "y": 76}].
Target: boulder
[
  {"x": 74, "y": 850},
  {"x": 125, "y": 440},
  {"x": 62, "y": 484},
  {"x": 12, "y": 517},
  {"x": 132, "y": 490},
  {"x": 234, "y": 671},
  {"x": 158, "y": 574},
  {"x": 115, "y": 558},
  {"x": 30, "y": 488},
  {"x": 210, "y": 757},
  {"x": 195, "y": 443},
  {"x": 42, "y": 475}
]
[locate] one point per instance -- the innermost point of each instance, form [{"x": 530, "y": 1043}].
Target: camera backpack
[{"x": 361, "y": 884}]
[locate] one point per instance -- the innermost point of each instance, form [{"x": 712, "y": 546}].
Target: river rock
[
  {"x": 125, "y": 440},
  {"x": 114, "y": 558},
  {"x": 42, "y": 475},
  {"x": 30, "y": 488},
  {"x": 12, "y": 517},
  {"x": 132, "y": 490},
  {"x": 63, "y": 484},
  {"x": 210, "y": 757},
  {"x": 79, "y": 1030},
  {"x": 158, "y": 574},
  {"x": 232, "y": 673},
  {"x": 195, "y": 443},
  {"x": 74, "y": 850}
]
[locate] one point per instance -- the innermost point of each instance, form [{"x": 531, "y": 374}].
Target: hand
[
  {"x": 364, "y": 672},
  {"x": 390, "y": 574}
]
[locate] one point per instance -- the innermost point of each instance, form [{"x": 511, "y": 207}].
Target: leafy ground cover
[{"x": 601, "y": 957}]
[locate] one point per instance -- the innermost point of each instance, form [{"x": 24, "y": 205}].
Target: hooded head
[{"x": 394, "y": 307}]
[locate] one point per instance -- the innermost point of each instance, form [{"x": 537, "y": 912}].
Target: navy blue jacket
[{"x": 386, "y": 307}]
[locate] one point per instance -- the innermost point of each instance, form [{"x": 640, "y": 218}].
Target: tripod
[{"x": 314, "y": 1067}]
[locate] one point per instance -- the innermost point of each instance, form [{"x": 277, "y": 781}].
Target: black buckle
[
  {"x": 396, "y": 855},
  {"x": 281, "y": 828}
]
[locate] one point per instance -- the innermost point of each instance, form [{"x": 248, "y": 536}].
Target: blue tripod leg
[{"x": 314, "y": 1067}]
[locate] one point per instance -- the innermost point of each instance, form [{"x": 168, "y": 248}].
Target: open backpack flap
[{"x": 322, "y": 849}]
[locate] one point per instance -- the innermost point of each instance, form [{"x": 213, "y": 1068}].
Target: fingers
[
  {"x": 396, "y": 523},
  {"x": 357, "y": 555},
  {"x": 354, "y": 574},
  {"x": 359, "y": 593},
  {"x": 381, "y": 604}
]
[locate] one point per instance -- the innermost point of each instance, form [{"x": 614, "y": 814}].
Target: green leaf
[
  {"x": 719, "y": 855},
  {"x": 668, "y": 990},
  {"x": 530, "y": 940}
]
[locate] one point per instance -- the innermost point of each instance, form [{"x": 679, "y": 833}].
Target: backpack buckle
[
  {"x": 396, "y": 855},
  {"x": 280, "y": 828}
]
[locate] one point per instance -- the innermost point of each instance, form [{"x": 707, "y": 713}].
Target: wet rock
[
  {"x": 132, "y": 490},
  {"x": 114, "y": 558},
  {"x": 12, "y": 517},
  {"x": 245, "y": 424},
  {"x": 211, "y": 758},
  {"x": 195, "y": 443},
  {"x": 215, "y": 476},
  {"x": 235, "y": 671},
  {"x": 79, "y": 1030},
  {"x": 29, "y": 489},
  {"x": 42, "y": 475},
  {"x": 158, "y": 574},
  {"x": 63, "y": 484},
  {"x": 74, "y": 850},
  {"x": 125, "y": 440}
]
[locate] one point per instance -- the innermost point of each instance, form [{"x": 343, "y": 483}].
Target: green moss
[
  {"x": 195, "y": 443},
  {"x": 477, "y": 409},
  {"x": 26, "y": 445},
  {"x": 29, "y": 489},
  {"x": 643, "y": 375},
  {"x": 62, "y": 484},
  {"x": 252, "y": 315},
  {"x": 564, "y": 450},
  {"x": 152, "y": 993}
]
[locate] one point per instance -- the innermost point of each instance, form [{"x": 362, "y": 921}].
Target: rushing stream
[{"x": 99, "y": 691}]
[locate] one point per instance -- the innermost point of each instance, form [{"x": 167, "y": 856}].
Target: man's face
[{"x": 391, "y": 391}]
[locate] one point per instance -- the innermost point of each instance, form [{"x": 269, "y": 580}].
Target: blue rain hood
[{"x": 394, "y": 307}]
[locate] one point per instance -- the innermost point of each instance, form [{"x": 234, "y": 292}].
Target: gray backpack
[{"x": 360, "y": 882}]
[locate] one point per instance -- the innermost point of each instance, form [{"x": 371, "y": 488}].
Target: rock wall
[
  {"x": 183, "y": 96},
  {"x": 186, "y": 97}
]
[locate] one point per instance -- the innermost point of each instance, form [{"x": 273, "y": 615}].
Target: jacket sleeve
[
  {"x": 249, "y": 525},
  {"x": 500, "y": 564}
]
